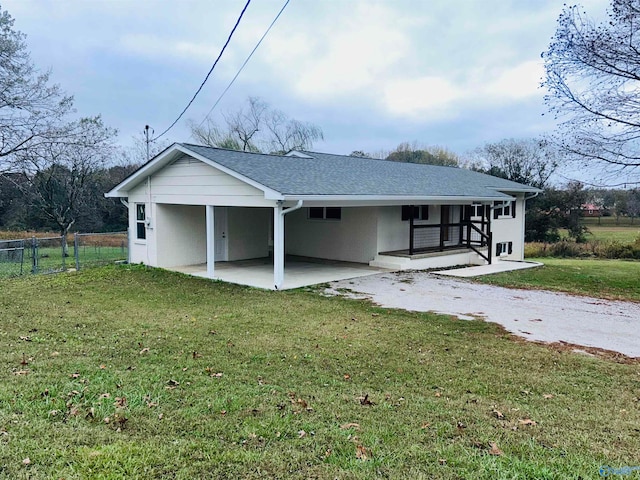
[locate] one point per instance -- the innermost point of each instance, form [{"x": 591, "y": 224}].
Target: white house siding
[
  {"x": 182, "y": 235},
  {"x": 248, "y": 230},
  {"x": 189, "y": 181},
  {"x": 350, "y": 239},
  {"x": 510, "y": 230},
  {"x": 392, "y": 232}
]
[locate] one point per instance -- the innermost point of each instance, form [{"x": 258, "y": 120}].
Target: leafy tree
[
  {"x": 30, "y": 108},
  {"x": 432, "y": 155},
  {"x": 528, "y": 161},
  {"x": 593, "y": 80},
  {"x": 257, "y": 127}
]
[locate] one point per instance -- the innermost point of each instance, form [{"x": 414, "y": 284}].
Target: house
[
  {"x": 590, "y": 210},
  {"x": 209, "y": 211}
]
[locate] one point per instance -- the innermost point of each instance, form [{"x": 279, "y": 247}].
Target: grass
[
  {"x": 612, "y": 279},
  {"x": 608, "y": 233},
  {"x": 128, "y": 372}
]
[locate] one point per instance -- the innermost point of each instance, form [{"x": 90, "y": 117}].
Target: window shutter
[
  {"x": 496, "y": 212},
  {"x": 510, "y": 250},
  {"x": 498, "y": 249},
  {"x": 513, "y": 209}
]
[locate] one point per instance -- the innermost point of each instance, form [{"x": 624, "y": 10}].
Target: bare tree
[
  {"x": 30, "y": 108},
  {"x": 257, "y": 127},
  {"x": 593, "y": 83},
  {"x": 58, "y": 178},
  {"x": 527, "y": 161}
]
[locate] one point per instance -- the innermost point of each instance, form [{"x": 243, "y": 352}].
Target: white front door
[{"x": 221, "y": 245}]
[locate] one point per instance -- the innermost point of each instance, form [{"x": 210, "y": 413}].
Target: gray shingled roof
[{"x": 328, "y": 174}]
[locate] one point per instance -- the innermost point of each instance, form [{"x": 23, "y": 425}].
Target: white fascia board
[{"x": 525, "y": 189}]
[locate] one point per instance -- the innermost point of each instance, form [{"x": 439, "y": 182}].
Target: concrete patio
[{"x": 298, "y": 271}]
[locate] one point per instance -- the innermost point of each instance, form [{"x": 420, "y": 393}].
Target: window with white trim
[
  {"x": 477, "y": 210},
  {"x": 420, "y": 212},
  {"x": 325, "y": 213},
  {"x": 141, "y": 228},
  {"x": 504, "y": 248},
  {"x": 504, "y": 209}
]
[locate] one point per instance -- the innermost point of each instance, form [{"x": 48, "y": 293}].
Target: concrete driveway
[{"x": 532, "y": 314}]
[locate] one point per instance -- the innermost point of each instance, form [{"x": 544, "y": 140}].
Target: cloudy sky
[{"x": 370, "y": 73}]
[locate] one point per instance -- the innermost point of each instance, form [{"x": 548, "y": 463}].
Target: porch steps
[{"x": 404, "y": 261}]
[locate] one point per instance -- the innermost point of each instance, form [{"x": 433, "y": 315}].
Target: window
[
  {"x": 504, "y": 209},
  {"x": 420, "y": 212},
  {"x": 325, "y": 213},
  {"x": 477, "y": 210},
  {"x": 141, "y": 228},
  {"x": 504, "y": 248}
]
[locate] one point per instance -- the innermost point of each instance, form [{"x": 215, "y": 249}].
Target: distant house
[
  {"x": 590, "y": 210},
  {"x": 203, "y": 210}
]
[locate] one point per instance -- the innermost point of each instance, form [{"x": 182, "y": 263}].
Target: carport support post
[
  {"x": 210, "y": 209},
  {"x": 278, "y": 246}
]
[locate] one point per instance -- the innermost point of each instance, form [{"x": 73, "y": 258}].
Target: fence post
[
  {"x": 34, "y": 255},
  {"x": 76, "y": 250},
  {"x": 63, "y": 244}
]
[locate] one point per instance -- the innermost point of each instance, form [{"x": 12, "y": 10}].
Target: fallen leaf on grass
[
  {"x": 144, "y": 350},
  {"x": 527, "y": 421},
  {"x": 425, "y": 425},
  {"x": 346, "y": 376},
  {"x": 442, "y": 461},
  {"x": 121, "y": 402},
  {"x": 548, "y": 395},
  {"x": 494, "y": 450},
  {"x": 302, "y": 433},
  {"x": 171, "y": 384},
  {"x": 196, "y": 355},
  {"x": 21, "y": 372},
  {"x": 346, "y": 426},
  {"x": 26, "y": 461},
  {"x": 74, "y": 375},
  {"x": 438, "y": 394},
  {"x": 498, "y": 414},
  {"x": 362, "y": 453},
  {"x": 104, "y": 395},
  {"x": 102, "y": 367},
  {"x": 25, "y": 339}
]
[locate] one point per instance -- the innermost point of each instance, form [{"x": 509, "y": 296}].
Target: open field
[
  {"x": 612, "y": 279},
  {"x": 128, "y": 372}
]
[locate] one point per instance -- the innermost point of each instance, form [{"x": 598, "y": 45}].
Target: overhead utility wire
[
  {"x": 208, "y": 74},
  {"x": 245, "y": 63}
]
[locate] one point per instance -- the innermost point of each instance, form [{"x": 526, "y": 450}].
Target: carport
[{"x": 301, "y": 271}]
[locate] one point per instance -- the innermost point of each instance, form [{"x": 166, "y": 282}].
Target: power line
[
  {"x": 245, "y": 63},
  {"x": 208, "y": 74}
]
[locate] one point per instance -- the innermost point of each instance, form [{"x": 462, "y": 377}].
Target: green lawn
[
  {"x": 614, "y": 279},
  {"x": 127, "y": 372},
  {"x": 608, "y": 233}
]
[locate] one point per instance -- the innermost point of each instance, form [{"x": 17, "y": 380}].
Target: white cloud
[
  {"x": 420, "y": 96},
  {"x": 516, "y": 82}
]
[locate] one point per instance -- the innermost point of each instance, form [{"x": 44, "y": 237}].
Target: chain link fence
[{"x": 57, "y": 254}]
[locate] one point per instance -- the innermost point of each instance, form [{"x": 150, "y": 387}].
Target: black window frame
[
  {"x": 420, "y": 212},
  {"x": 325, "y": 213},
  {"x": 141, "y": 221}
]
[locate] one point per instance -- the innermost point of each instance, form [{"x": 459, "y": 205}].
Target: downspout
[{"x": 279, "y": 280}]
